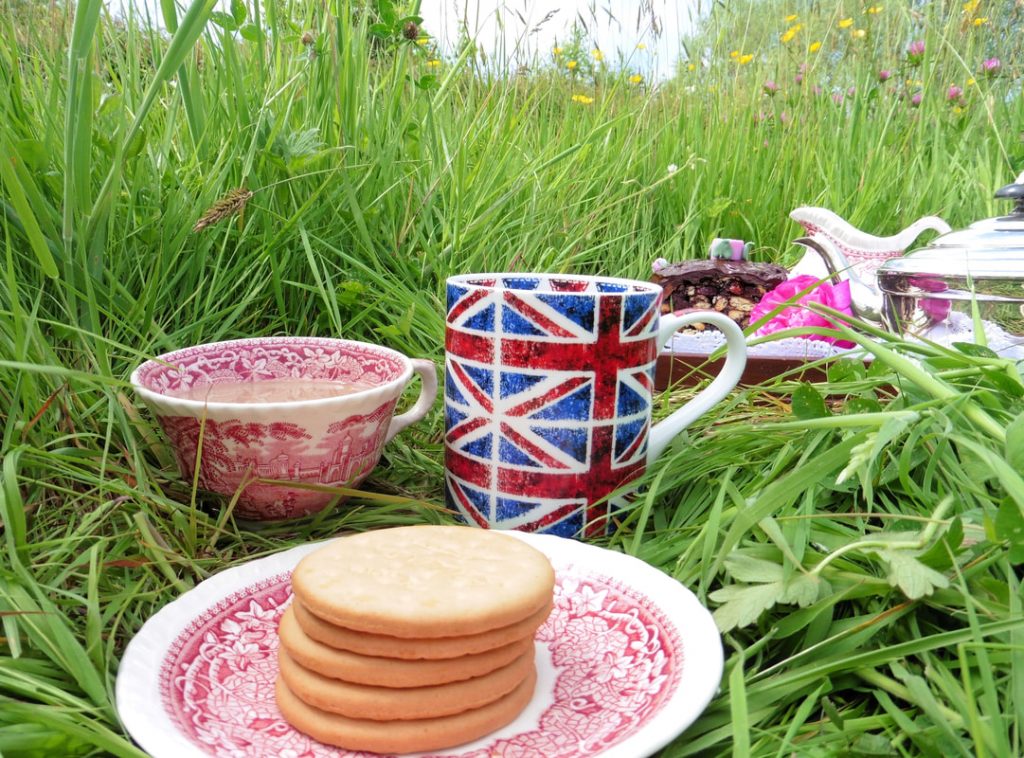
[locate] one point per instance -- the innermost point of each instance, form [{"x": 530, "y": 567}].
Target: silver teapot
[{"x": 934, "y": 289}]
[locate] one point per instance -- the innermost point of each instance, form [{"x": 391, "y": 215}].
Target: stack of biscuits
[{"x": 412, "y": 639}]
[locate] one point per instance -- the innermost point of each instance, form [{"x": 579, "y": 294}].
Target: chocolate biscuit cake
[{"x": 730, "y": 287}]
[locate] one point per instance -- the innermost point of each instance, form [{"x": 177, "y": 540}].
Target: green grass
[{"x": 862, "y": 554}]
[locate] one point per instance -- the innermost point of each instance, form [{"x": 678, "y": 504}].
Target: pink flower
[
  {"x": 799, "y": 78},
  {"x": 916, "y": 98},
  {"x": 953, "y": 93},
  {"x": 835, "y": 296},
  {"x": 915, "y": 52},
  {"x": 991, "y": 66},
  {"x": 884, "y": 75},
  {"x": 770, "y": 87}
]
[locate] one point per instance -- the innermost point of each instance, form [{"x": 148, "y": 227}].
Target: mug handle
[
  {"x": 428, "y": 394},
  {"x": 663, "y": 432}
]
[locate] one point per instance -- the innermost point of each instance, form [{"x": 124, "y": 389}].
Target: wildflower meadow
[{"x": 267, "y": 167}]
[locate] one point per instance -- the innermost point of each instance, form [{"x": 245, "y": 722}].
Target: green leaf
[
  {"x": 718, "y": 206},
  {"x": 745, "y": 568},
  {"x": 808, "y": 403},
  {"x": 940, "y": 555},
  {"x": 742, "y": 605},
  {"x": 977, "y": 351},
  {"x": 238, "y": 11},
  {"x": 380, "y": 30},
  {"x": 1015, "y": 443},
  {"x": 426, "y": 82},
  {"x": 251, "y": 32},
  {"x": 912, "y": 577},
  {"x": 1009, "y": 526},
  {"x": 804, "y": 590},
  {"x": 224, "y": 20},
  {"x": 858, "y": 405},
  {"x": 16, "y": 194}
]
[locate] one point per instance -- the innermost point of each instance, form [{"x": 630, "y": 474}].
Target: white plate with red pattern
[{"x": 626, "y": 661}]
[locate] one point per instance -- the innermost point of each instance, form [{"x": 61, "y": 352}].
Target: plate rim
[{"x": 140, "y": 706}]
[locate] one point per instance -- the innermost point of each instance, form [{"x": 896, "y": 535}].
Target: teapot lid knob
[{"x": 1014, "y": 191}]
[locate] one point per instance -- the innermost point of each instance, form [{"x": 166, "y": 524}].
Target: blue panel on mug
[
  {"x": 630, "y": 402},
  {"x": 509, "y": 453},
  {"x": 480, "y": 448},
  {"x": 570, "y": 526},
  {"x": 479, "y": 501},
  {"x": 611, "y": 287},
  {"x": 509, "y": 509},
  {"x": 483, "y": 320},
  {"x": 455, "y": 293},
  {"x": 513, "y": 323},
  {"x": 626, "y": 434},
  {"x": 520, "y": 282},
  {"x": 571, "y": 440},
  {"x": 512, "y": 383},
  {"x": 634, "y": 307},
  {"x": 451, "y": 389},
  {"x": 578, "y": 308},
  {"x": 574, "y": 407},
  {"x": 452, "y": 416},
  {"x": 483, "y": 378}
]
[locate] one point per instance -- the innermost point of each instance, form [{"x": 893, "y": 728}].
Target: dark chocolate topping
[{"x": 766, "y": 274}]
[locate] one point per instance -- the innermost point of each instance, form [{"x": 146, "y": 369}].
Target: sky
[{"x": 521, "y": 29}]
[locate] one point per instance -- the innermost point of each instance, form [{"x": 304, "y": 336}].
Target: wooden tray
[{"x": 684, "y": 369}]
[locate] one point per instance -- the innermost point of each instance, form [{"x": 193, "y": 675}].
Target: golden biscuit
[
  {"x": 361, "y": 701},
  {"x": 425, "y": 581},
  {"x": 403, "y": 736}
]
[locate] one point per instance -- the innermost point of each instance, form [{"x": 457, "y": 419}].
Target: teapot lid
[{"x": 989, "y": 249}]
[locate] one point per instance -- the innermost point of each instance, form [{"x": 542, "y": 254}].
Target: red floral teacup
[{"x": 230, "y": 409}]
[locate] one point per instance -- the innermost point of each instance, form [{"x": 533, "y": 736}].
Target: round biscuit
[
  {"x": 425, "y": 581},
  {"x": 389, "y": 672},
  {"x": 414, "y": 736},
  {"x": 361, "y": 701},
  {"x": 385, "y": 646}
]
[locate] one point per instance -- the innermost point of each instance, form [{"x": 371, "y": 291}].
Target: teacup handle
[
  {"x": 735, "y": 361},
  {"x": 428, "y": 394}
]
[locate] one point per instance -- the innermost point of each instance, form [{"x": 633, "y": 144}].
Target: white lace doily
[{"x": 958, "y": 327}]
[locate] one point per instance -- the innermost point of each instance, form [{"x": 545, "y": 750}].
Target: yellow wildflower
[
  {"x": 971, "y": 7},
  {"x": 874, "y": 10},
  {"x": 692, "y": 67},
  {"x": 421, "y": 41},
  {"x": 957, "y": 110},
  {"x": 971, "y": 82},
  {"x": 858, "y": 33},
  {"x": 636, "y": 79},
  {"x": 981, "y": 21},
  {"x": 745, "y": 59},
  {"x": 814, "y": 47},
  {"x": 571, "y": 65},
  {"x": 584, "y": 99},
  {"x": 556, "y": 51},
  {"x": 641, "y": 46},
  {"x": 598, "y": 55},
  {"x": 791, "y": 18},
  {"x": 791, "y": 32},
  {"x": 846, "y": 23},
  {"x": 434, "y": 63},
  {"x": 734, "y": 54}
]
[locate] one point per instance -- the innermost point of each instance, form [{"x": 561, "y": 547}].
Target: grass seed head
[{"x": 233, "y": 202}]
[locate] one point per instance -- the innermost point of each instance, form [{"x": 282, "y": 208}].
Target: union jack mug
[{"x": 548, "y": 389}]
